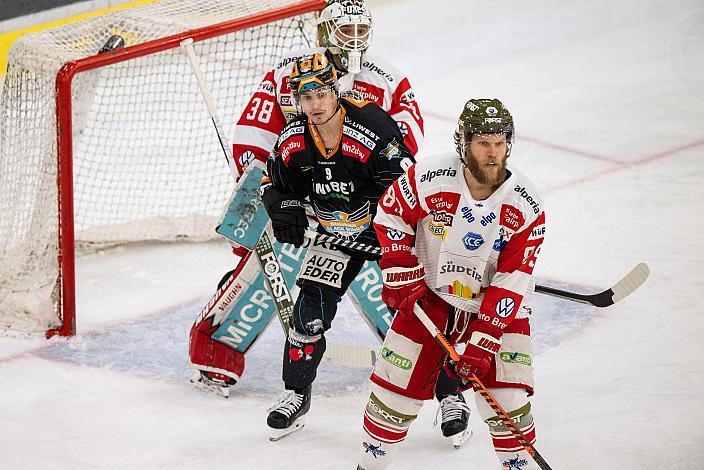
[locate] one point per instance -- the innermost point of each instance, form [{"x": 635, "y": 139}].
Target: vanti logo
[
  {"x": 396, "y": 359},
  {"x": 394, "y": 234},
  {"x": 505, "y": 306},
  {"x": 516, "y": 358},
  {"x": 472, "y": 241},
  {"x": 430, "y": 175}
]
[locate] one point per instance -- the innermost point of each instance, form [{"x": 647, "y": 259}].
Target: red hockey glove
[
  {"x": 404, "y": 282},
  {"x": 481, "y": 349}
]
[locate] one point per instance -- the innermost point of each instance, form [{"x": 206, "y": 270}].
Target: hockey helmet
[
  {"x": 483, "y": 116},
  {"x": 345, "y": 28},
  {"x": 311, "y": 72}
]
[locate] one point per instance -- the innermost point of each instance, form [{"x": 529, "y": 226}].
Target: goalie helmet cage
[{"x": 122, "y": 139}]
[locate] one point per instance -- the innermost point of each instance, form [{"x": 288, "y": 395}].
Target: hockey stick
[
  {"x": 630, "y": 282},
  {"x": 618, "y": 291},
  {"x": 479, "y": 388},
  {"x": 342, "y": 354},
  {"x": 187, "y": 45}
]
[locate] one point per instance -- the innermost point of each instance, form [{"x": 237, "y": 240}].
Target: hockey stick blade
[
  {"x": 350, "y": 355},
  {"x": 623, "y": 288}
]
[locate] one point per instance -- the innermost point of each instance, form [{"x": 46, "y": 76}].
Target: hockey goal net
[{"x": 104, "y": 149}]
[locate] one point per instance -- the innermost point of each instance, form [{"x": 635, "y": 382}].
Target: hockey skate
[
  {"x": 213, "y": 382},
  {"x": 455, "y": 419},
  {"x": 288, "y": 414}
]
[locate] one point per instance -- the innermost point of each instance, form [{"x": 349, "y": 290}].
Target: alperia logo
[
  {"x": 516, "y": 358},
  {"x": 396, "y": 359}
]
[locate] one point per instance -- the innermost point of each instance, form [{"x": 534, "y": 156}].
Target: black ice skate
[
  {"x": 455, "y": 419},
  {"x": 288, "y": 414},
  {"x": 213, "y": 382}
]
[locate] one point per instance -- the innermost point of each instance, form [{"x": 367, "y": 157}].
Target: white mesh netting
[{"x": 146, "y": 160}]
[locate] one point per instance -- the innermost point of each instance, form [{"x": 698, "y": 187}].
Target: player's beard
[{"x": 494, "y": 176}]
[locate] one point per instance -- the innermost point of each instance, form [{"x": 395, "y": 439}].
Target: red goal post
[{"x": 145, "y": 82}]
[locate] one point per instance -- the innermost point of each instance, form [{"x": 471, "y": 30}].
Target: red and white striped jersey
[
  {"x": 272, "y": 105},
  {"x": 478, "y": 255}
]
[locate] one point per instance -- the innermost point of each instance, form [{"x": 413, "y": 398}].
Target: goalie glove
[
  {"x": 483, "y": 345},
  {"x": 288, "y": 216},
  {"x": 404, "y": 282}
]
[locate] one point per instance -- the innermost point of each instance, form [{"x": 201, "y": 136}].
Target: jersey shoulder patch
[
  {"x": 291, "y": 139},
  {"x": 526, "y": 195}
]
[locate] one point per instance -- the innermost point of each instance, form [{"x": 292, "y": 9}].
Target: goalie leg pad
[{"x": 209, "y": 355}]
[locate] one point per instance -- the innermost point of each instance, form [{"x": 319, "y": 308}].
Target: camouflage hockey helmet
[
  {"x": 348, "y": 46},
  {"x": 311, "y": 72},
  {"x": 483, "y": 116}
]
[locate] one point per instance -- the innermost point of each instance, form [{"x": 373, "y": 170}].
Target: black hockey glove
[{"x": 288, "y": 217}]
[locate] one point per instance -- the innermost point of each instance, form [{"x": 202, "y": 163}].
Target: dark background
[{"x": 14, "y": 8}]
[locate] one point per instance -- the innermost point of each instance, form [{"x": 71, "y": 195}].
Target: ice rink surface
[{"x": 608, "y": 99}]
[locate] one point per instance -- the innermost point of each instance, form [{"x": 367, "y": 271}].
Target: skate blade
[
  {"x": 459, "y": 439},
  {"x": 222, "y": 392},
  {"x": 277, "y": 434}
]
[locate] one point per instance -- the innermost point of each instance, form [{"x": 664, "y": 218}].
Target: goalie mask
[
  {"x": 345, "y": 28},
  {"x": 312, "y": 72},
  {"x": 483, "y": 116}
]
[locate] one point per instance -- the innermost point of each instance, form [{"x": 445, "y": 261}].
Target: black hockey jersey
[{"x": 345, "y": 185}]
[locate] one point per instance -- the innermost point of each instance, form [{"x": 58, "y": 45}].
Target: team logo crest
[
  {"x": 374, "y": 450},
  {"x": 344, "y": 225},
  {"x": 392, "y": 150},
  {"x": 514, "y": 464}
]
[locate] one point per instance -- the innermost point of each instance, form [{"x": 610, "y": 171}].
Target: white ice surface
[{"x": 608, "y": 98}]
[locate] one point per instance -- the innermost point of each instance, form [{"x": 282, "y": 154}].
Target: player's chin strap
[
  {"x": 479, "y": 388},
  {"x": 630, "y": 282}
]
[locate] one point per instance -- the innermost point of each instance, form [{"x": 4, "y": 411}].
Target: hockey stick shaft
[
  {"x": 617, "y": 292},
  {"x": 479, "y": 388},
  {"x": 187, "y": 45}
]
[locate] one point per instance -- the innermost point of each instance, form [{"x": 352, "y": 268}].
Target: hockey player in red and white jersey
[
  {"x": 459, "y": 236},
  {"x": 344, "y": 34}
]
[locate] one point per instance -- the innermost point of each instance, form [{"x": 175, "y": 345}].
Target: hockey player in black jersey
[{"x": 340, "y": 155}]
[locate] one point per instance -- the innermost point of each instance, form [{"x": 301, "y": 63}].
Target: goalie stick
[
  {"x": 479, "y": 388},
  {"x": 347, "y": 355},
  {"x": 630, "y": 282}
]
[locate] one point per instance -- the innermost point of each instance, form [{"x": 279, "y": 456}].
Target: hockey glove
[
  {"x": 481, "y": 349},
  {"x": 404, "y": 282},
  {"x": 288, "y": 217}
]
